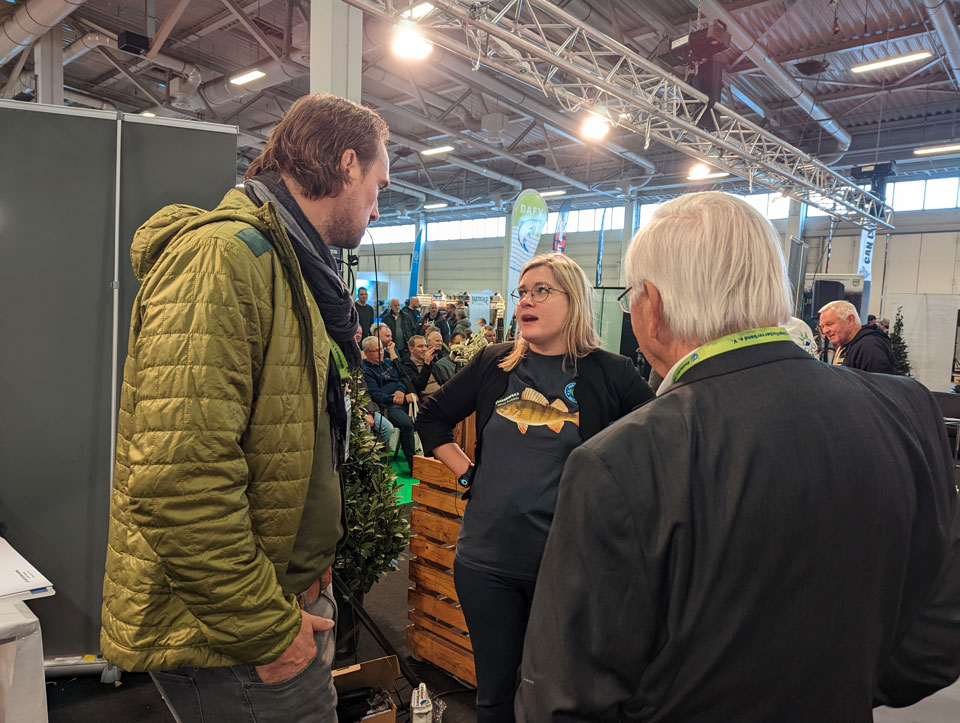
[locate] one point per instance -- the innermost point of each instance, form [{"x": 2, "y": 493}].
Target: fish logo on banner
[{"x": 526, "y": 226}]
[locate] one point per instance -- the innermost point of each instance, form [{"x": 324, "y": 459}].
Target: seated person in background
[
  {"x": 457, "y": 338},
  {"x": 419, "y": 367},
  {"x": 379, "y": 425},
  {"x": 490, "y": 335},
  {"x": 866, "y": 348},
  {"x": 884, "y": 325},
  {"x": 443, "y": 367},
  {"x": 733, "y": 551},
  {"x": 388, "y": 390},
  {"x": 385, "y": 334}
]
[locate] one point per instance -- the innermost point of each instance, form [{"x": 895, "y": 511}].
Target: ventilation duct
[{"x": 30, "y": 21}]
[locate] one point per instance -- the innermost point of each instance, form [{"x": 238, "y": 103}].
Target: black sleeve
[
  {"x": 634, "y": 390},
  {"x": 594, "y": 616},
  {"x": 453, "y": 402}
]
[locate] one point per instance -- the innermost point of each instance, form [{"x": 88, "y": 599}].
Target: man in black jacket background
[
  {"x": 859, "y": 347},
  {"x": 728, "y": 551}
]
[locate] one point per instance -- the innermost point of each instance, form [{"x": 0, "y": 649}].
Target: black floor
[{"x": 135, "y": 700}]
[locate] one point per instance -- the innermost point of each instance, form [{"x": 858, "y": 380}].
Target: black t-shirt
[
  {"x": 525, "y": 445},
  {"x": 366, "y": 315}
]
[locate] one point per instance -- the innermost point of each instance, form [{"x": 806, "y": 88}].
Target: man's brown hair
[{"x": 310, "y": 141}]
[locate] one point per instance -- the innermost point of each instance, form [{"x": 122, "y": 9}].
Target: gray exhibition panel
[{"x": 58, "y": 206}]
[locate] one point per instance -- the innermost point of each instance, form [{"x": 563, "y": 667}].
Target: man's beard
[{"x": 341, "y": 230}]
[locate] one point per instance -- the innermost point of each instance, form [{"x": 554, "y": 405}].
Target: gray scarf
[{"x": 316, "y": 262}]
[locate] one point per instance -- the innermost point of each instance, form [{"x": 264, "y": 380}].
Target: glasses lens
[
  {"x": 540, "y": 293},
  {"x": 515, "y": 294},
  {"x": 625, "y": 301}
]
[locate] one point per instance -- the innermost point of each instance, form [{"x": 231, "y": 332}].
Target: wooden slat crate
[{"x": 437, "y": 631}]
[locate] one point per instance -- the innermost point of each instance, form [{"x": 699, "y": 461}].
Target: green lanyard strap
[
  {"x": 340, "y": 360},
  {"x": 749, "y": 337}
]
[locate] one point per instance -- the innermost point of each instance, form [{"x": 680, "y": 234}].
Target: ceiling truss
[{"x": 538, "y": 43}]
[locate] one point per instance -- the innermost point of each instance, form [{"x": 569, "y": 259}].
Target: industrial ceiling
[{"x": 788, "y": 71}]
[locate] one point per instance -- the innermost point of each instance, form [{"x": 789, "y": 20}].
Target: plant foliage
[
  {"x": 377, "y": 529},
  {"x": 901, "y": 355},
  {"x": 463, "y": 352}
]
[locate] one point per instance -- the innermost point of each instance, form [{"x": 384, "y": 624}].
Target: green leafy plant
[
  {"x": 376, "y": 527},
  {"x": 901, "y": 355}
]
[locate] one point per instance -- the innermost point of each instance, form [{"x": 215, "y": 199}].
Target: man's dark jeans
[
  {"x": 400, "y": 419},
  {"x": 237, "y": 695}
]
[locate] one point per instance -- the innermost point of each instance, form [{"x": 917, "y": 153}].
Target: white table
[{"x": 23, "y": 695}]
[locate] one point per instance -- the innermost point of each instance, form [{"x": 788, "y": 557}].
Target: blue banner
[
  {"x": 560, "y": 235},
  {"x": 415, "y": 264},
  {"x": 603, "y": 223}
]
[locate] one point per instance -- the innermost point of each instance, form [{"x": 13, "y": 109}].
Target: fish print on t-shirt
[{"x": 531, "y": 409}]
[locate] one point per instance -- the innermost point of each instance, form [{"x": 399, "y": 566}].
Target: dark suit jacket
[{"x": 773, "y": 539}]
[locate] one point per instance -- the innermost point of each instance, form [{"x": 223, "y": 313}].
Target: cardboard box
[{"x": 379, "y": 673}]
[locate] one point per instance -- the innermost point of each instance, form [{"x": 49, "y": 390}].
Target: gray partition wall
[{"x": 58, "y": 205}]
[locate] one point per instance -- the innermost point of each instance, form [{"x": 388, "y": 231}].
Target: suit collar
[{"x": 738, "y": 359}]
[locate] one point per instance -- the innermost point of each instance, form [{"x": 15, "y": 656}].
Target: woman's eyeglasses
[
  {"x": 624, "y": 300},
  {"x": 538, "y": 293}
]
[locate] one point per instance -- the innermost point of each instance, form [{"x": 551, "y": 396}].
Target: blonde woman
[{"x": 536, "y": 400}]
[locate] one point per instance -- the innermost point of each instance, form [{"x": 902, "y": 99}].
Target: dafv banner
[{"x": 526, "y": 225}]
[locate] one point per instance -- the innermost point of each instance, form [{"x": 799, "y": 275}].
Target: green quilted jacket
[{"x": 215, "y": 444}]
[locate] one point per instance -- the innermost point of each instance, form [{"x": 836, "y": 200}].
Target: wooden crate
[{"x": 437, "y": 631}]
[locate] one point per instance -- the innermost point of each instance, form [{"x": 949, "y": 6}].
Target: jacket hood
[
  {"x": 866, "y": 331},
  {"x": 170, "y": 222}
]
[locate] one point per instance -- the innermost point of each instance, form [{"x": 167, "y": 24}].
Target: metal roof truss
[{"x": 540, "y": 44}]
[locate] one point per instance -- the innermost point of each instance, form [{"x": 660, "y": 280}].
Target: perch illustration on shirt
[{"x": 531, "y": 409}]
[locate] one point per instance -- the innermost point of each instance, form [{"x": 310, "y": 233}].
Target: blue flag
[
  {"x": 603, "y": 219},
  {"x": 415, "y": 264},
  {"x": 560, "y": 235}
]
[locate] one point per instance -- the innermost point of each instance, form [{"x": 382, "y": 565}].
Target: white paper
[{"x": 18, "y": 578}]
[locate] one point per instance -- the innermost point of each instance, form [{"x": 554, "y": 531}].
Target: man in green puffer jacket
[{"x": 226, "y": 509}]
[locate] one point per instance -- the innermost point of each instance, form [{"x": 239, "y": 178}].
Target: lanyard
[
  {"x": 340, "y": 360},
  {"x": 749, "y": 337}
]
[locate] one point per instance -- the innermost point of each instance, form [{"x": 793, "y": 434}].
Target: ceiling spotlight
[
  {"x": 702, "y": 172},
  {"x": 408, "y": 43},
  {"x": 417, "y": 11},
  {"x": 247, "y": 77},
  {"x": 436, "y": 151},
  {"x": 547, "y": 194},
  {"x": 624, "y": 115},
  {"x": 432, "y": 206},
  {"x": 594, "y": 127},
  {"x": 931, "y": 150},
  {"x": 899, "y": 60},
  {"x": 148, "y": 114}
]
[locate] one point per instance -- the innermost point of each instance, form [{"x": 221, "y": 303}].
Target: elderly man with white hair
[
  {"x": 728, "y": 552},
  {"x": 859, "y": 347}
]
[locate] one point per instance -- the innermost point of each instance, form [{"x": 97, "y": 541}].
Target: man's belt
[{"x": 309, "y": 596}]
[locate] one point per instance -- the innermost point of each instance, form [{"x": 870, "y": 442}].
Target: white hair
[
  {"x": 717, "y": 264},
  {"x": 843, "y": 309},
  {"x": 369, "y": 343},
  {"x": 375, "y": 327}
]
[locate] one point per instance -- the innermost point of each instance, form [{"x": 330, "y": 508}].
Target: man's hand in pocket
[{"x": 299, "y": 654}]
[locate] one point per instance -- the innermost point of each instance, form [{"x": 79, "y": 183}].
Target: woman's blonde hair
[{"x": 579, "y": 336}]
